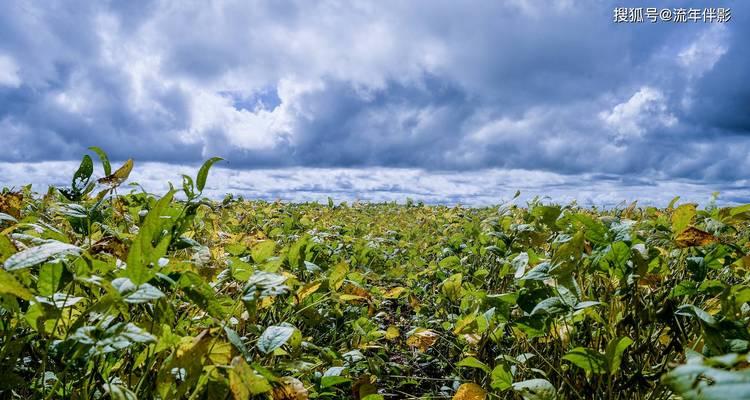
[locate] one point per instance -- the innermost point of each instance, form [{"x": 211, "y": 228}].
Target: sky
[{"x": 442, "y": 101}]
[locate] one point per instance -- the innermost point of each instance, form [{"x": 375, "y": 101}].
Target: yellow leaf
[
  {"x": 354, "y": 292},
  {"x": 682, "y": 217},
  {"x": 470, "y": 391},
  {"x": 243, "y": 381},
  {"x": 467, "y": 324},
  {"x": 307, "y": 290},
  {"x": 452, "y": 287},
  {"x": 743, "y": 262},
  {"x": 692, "y": 237},
  {"x": 221, "y": 352},
  {"x": 338, "y": 273},
  {"x": 265, "y": 302},
  {"x": 414, "y": 302},
  {"x": 9, "y": 285},
  {"x": 119, "y": 176},
  {"x": 394, "y": 293},
  {"x": 422, "y": 339},
  {"x": 188, "y": 357},
  {"x": 352, "y": 297},
  {"x": 290, "y": 389},
  {"x": 261, "y": 251},
  {"x": 472, "y": 338},
  {"x": 11, "y": 203},
  {"x": 392, "y": 332},
  {"x": 363, "y": 387}
]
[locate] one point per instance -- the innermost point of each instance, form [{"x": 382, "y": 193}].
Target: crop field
[{"x": 109, "y": 292}]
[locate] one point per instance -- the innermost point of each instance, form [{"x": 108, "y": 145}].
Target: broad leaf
[
  {"x": 39, "y": 254},
  {"x": 274, "y": 337},
  {"x": 244, "y": 382},
  {"x": 589, "y": 360},
  {"x": 535, "y": 389},
  {"x": 501, "y": 378},
  {"x": 615, "y": 349},
  {"x": 9, "y": 285},
  {"x": 472, "y": 362}
]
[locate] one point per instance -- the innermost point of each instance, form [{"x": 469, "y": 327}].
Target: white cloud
[
  {"x": 508, "y": 127},
  {"x": 704, "y": 52},
  {"x": 645, "y": 110},
  {"x": 8, "y": 72},
  {"x": 699, "y": 57},
  {"x": 474, "y": 188},
  {"x": 436, "y": 85}
]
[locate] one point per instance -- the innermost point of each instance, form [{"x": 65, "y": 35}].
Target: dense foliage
[{"x": 108, "y": 294}]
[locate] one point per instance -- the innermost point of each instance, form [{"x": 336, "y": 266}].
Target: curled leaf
[
  {"x": 200, "y": 181},
  {"x": 119, "y": 176},
  {"x": 290, "y": 389},
  {"x": 422, "y": 339},
  {"x": 694, "y": 237}
]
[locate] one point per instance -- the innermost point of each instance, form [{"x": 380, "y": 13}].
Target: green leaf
[
  {"x": 546, "y": 214},
  {"x": 615, "y": 349},
  {"x": 586, "y": 304},
  {"x": 188, "y": 186},
  {"x": 501, "y": 378},
  {"x": 39, "y": 254},
  {"x": 7, "y": 217},
  {"x": 83, "y": 174},
  {"x": 201, "y": 294},
  {"x": 589, "y": 360},
  {"x": 595, "y": 231},
  {"x": 296, "y": 254},
  {"x": 244, "y": 382},
  {"x": 673, "y": 202},
  {"x": 535, "y": 389},
  {"x": 618, "y": 257},
  {"x": 328, "y": 381},
  {"x": 472, "y": 362},
  {"x": 264, "y": 284},
  {"x": 7, "y": 248},
  {"x": 274, "y": 337},
  {"x": 9, "y": 285},
  {"x": 551, "y": 306},
  {"x": 450, "y": 262},
  {"x": 701, "y": 382},
  {"x": 49, "y": 278},
  {"x": 334, "y": 371},
  {"x": 519, "y": 263},
  {"x": 684, "y": 288},
  {"x": 118, "y": 392},
  {"x": 261, "y": 251},
  {"x": 236, "y": 340},
  {"x": 200, "y": 181},
  {"x": 451, "y": 287},
  {"x": 133, "y": 294},
  {"x": 693, "y": 311},
  {"x": 151, "y": 243},
  {"x": 103, "y": 158}
]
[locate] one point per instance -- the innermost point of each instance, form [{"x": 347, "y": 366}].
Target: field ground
[{"x": 111, "y": 293}]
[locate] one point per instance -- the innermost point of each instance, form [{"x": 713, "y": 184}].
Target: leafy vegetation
[{"x": 106, "y": 294}]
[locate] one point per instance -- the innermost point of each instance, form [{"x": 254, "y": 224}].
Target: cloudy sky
[{"x": 444, "y": 101}]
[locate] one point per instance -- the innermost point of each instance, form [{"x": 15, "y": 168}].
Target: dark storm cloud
[{"x": 552, "y": 86}]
